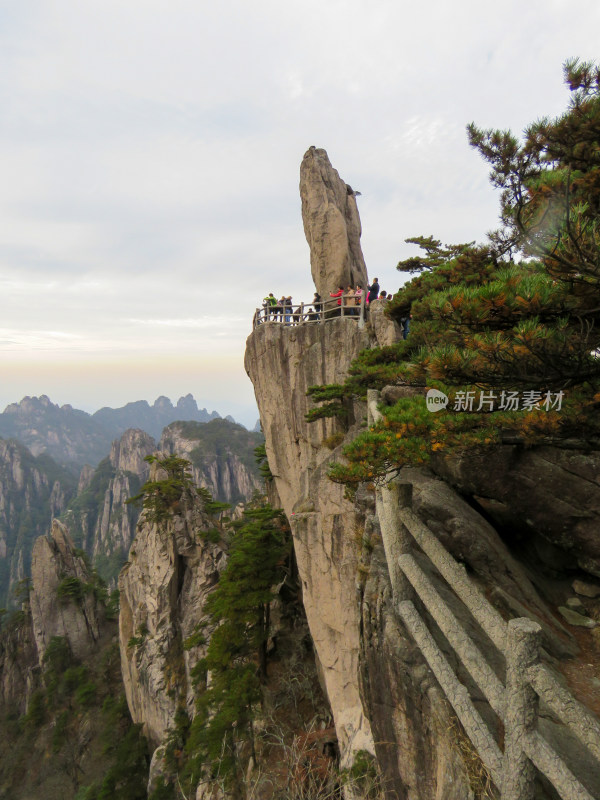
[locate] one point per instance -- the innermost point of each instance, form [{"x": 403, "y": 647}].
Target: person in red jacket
[{"x": 337, "y": 294}]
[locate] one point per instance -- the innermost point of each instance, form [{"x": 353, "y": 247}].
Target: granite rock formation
[
  {"x": 99, "y": 518},
  {"x": 115, "y": 526},
  {"x": 74, "y": 614},
  {"x": 47, "y": 611},
  {"x": 323, "y": 522},
  {"x": 547, "y": 497},
  {"x": 33, "y": 490},
  {"x": 383, "y": 696},
  {"x": 221, "y": 454},
  {"x": 101, "y": 521},
  {"x": 163, "y": 588},
  {"x": 331, "y": 225}
]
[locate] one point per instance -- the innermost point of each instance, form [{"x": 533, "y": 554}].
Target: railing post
[
  {"x": 396, "y": 539},
  {"x": 361, "y": 318},
  {"x": 373, "y": 415},
  {"x": 522, "y": 651}
]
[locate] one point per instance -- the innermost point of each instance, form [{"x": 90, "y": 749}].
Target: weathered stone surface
[
  {"x": 576, "y": 618},
  {"x": 163, "y": 587},
  {"x": 413, "y": 725},
  {"x": 282, "y": 363},
  {"x": 30, "y": 496},
  {"x": 115, "y": 525},
  {"x": 391, "y": 394},
  {"x": 18, "y": 663},
  {"x": 76, "y": 618},
  {"x": 575, "y": 604},
  {"x": 469, "y": 538},
  {"x": 385, "y": 329},
  {"x": 331, "y": 225},
  {"x": 586, "y": 589},
  {"x": 85, "y": 477},
  {"x": 226, "y": 473},
  {"x": 544, "y": 491}
]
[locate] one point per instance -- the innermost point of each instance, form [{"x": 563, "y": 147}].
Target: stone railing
[
  {"x": 527, "y": 680},
  {"x": 303, "y": 313}
]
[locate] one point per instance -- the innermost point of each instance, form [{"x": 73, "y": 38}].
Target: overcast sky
[{"x": 150, "y": 153}]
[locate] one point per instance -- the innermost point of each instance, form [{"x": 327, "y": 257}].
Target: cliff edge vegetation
[{"x": 508, "y": 332}]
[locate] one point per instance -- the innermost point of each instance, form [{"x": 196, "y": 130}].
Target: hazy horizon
[
  {"x": 150, "y": 154},
  {"x": 249, "y": 423}
]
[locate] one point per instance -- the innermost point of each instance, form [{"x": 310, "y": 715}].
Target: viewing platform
[{"x": 310, "y": 313}]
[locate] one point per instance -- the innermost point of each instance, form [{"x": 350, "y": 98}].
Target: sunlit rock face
[
  {"x": 74, "y": 614},
  {"x": 282, "y": 363},
  {"x": 116, "y": 521},
  {"x": 221, "y": 455},
  {"x": 163, "y": 589},
  {"x": 331, "y": 224},
  {"x": 383, "y": 695}
]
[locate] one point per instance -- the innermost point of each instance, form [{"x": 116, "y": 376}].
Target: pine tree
[
  {"x": 236, "y": 658},
  {"x": 483, "y": 322}
]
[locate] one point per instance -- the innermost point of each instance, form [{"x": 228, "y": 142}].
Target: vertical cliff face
[
  {"x": 382, "y": 694},
  {"x": 32, "y": 491},
  {"x": 99, "y": 519},
  {"x": 163, "y": 588},
  {"x": 221, "y": 454},
  {"x": 18, "y": 663},
  {"x": 115, "y": 526},
  {"x": 61, "y": 602},
  {"x": 62, "y": 598},
  {"x": 282, "y": 363},
  {"x": 331, "y": 224}
]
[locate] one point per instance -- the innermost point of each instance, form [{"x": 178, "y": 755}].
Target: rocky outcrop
[
  {"x": 100, "y": 520},
  {"x": 115, "y": 527},
  {"x": 62, "y": 599},
  {"x": 32, "y": 491},
  {"x": 385, "y": 330},
  {"x": 331, "y": 225},
  {"x": 548, "y": 497},
  {"x": 282, "y": 363},
  {"x": 221, "y": 454},
  {"x": 19, "y": 662},
  {"x": 383, "y": 696},
  {"x": 163, "y": 588}
]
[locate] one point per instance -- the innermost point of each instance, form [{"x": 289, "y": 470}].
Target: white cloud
[{"x": 150, "y": 152}]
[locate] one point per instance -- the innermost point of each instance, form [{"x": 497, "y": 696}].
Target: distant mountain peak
[
  {"x": 74, "y": 437},
  {"x": 162, "y": 403},
  {"x": 187, "y": 404}
]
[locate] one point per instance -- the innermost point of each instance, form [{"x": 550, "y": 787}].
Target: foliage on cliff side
[
  {"x": 485, "y": 328},
  {"x": 159, "y": 497},
  {"x": 76, "y": 739},
  {"x": 236, "y": 658}
]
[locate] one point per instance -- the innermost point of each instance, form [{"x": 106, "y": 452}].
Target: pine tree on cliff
[
  {"x": 483, "y": 322},
  {"x": 237, "y": 653}
]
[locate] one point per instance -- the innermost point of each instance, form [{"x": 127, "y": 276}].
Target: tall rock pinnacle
[{"x": 331, "y": 225}]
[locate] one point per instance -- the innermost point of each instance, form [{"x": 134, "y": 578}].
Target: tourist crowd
[{"x": 348, "y": 304}]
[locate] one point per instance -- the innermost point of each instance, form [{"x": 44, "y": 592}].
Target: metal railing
[
  {"x": 303, "y": 313},
  {"x": 516, "y": 702}
]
